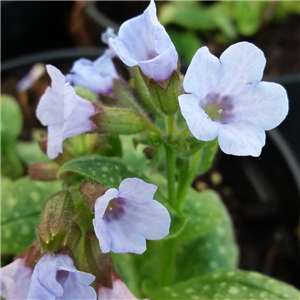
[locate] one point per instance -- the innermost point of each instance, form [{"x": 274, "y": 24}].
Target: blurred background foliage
[{"x": 194, "y": 22}]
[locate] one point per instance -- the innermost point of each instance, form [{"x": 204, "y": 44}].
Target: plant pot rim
[{"x": 55, "y": 54}]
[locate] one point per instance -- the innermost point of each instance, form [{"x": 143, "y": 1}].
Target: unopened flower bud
[
  {"x": 55, "y": 221},
  {"x": 91, "y": 191},
  {"x": 100, "y": 264},
  {"x": 120, "y": 121},
  {"x": 43, "y": 171}
]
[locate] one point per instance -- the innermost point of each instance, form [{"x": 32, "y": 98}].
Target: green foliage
[
  {"x": 207, "y": 156},
  {"x": 188, "y": 14},
  {"x": 224, "y": 284},
  {"x": 11, "y": 121},
  {"x": 247, "y": 15},
  {"x": 106, "y": 170},
  {"x": 216, "y": 250},
  {"x": 127, "y": 268},
  {"x": 30, "y": 153},
  {"x": 285, "y": 8},
  {"x": 11, "y": 126},
  {"x": 201, "y": 215},
  {"x": 22, "y": 202},
  {"x": 225, "y": 20}
]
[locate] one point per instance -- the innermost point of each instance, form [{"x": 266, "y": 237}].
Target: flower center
[
  {"x": 217, "y": 107},
  {"x": 115, "y": 210},
  {"x": 61, "y": 277}
]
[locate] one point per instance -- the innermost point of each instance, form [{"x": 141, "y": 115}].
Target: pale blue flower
[
  {"x": 96, "y": 76},
  {"x": 65, "y": 113},
  {"x": 56, "y": 278},
  {"x": 125, "y": 218},
  {"x": 142, "y": 41},
  {"x": 15, "y": 279},
  {"x": 227, "y": 100},
  {"x": 107, "y": 34}
]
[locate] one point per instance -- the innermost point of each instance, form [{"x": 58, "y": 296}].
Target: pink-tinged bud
[
  {"x": 118, "y": 290},
  {"x": 91, "y": 191},
  {"x": 43, "y": 171}
]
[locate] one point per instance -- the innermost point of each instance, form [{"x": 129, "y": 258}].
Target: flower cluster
[{"x": 222, "y": 99}]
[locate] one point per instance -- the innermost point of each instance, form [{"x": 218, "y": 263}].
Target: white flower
[
  {"x": 124, "y": 218},
  {"x": 142, "y": 41},
  {"x": 96, "y": 76},
  {"x": 227, "y": 100},
  {"x": 65, "y": 113}
]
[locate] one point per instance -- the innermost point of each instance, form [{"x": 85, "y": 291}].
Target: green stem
[
  {"x": 171, "y": 163},
  {"x": 171, "y": 160},
  {"x": 182, "y": 192},
  {"x": 184, "y": 165},
  {"x": 168, "y": 262},
  {"x": 169, "y": 246},
  {"x": 151, "y": 126},
  {"x": 170, "y": 125}
]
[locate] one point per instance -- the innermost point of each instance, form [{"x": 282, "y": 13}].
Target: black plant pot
[{"x": 290, "y": 128}]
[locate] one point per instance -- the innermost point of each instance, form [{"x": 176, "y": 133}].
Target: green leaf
[
  {"x": 201, "y": 215},
  {"x": 22, "y": 202},
  {"x": 285, "y": 8},
  {"x": 5, "y": 183},
  {"x": 203, "y": 255},
  {"x": 126, "y": 268},
  {"x": 220, "y": 14},
  {"x": 183, "y": 38},
  {"x": 11, "y": 121},
  {"x": 106, "y": 170},
  {"x": 222, "y": 285},
  {"x": 10, "y": 164},
  {"x": 30, "y": 152},
  {"x": 188, "y": 14},
  {"x": 134, "y": 156},
  {"x": 207, "y": 156},
  {"x": 247, "y": 16}
]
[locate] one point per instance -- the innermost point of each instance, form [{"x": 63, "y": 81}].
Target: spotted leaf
[
  {"x": 105, "y": 170},
  {"x": 22, "y": 202},
  {"x": 225, "y": 285}
]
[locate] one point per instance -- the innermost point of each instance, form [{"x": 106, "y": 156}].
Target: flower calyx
[
  {"x": 120, "y": 121},
  {"x": 91, "y": 191},
  {"x": 56, "y": 224}
]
